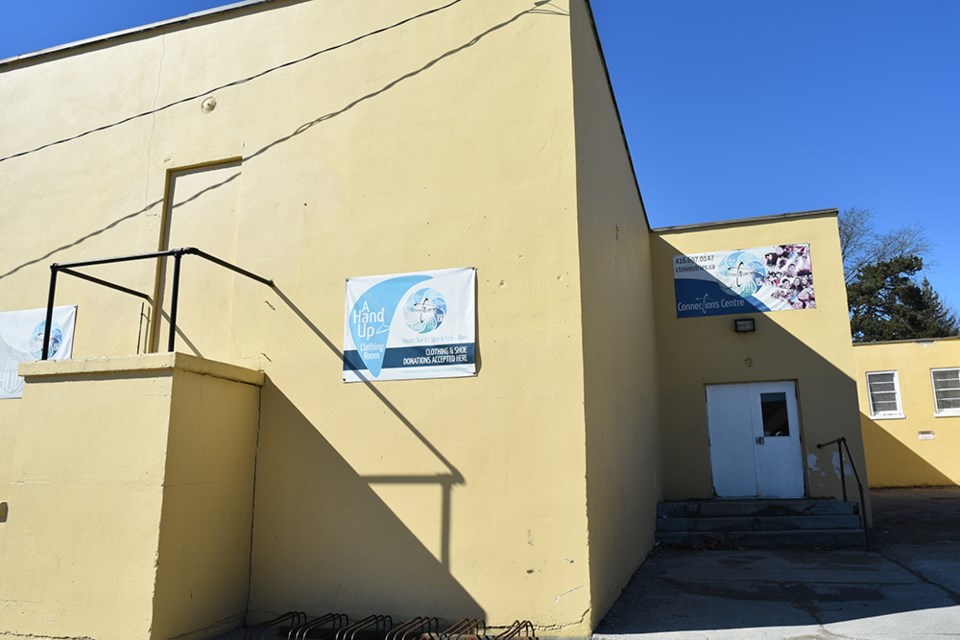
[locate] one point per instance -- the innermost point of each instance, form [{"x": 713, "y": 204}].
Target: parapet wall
[{"x": 130, "y": 498}]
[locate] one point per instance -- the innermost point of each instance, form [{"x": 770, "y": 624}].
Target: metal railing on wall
[
  {"x": 841, "y": 443},
  {"x": 68, "y": 268}
]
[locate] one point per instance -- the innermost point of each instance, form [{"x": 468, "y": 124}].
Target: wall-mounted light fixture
[{"x": 744, "y": 325}]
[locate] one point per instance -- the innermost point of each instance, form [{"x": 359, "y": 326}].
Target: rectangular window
[
  {"x": 884, "y": 393},
  {"x": 773, "y": 407},
  {"x": 946, "y": 391}
]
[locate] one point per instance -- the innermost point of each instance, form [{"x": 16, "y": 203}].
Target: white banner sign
[
  {"x": 21, "y": 340},
  {"x": 410, "y": 325},
  {"x": 773, "y": 278}
]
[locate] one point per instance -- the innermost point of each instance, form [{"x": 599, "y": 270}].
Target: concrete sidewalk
[{"x": 909, "y": 588}]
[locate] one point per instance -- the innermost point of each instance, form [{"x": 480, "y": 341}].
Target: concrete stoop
[{"x": 760, "y": 523}]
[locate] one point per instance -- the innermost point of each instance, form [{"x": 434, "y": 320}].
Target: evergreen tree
[{"x": 886, "y": 303}]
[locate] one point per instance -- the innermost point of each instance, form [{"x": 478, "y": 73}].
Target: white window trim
[
  {"x": 937, "y": 412},
  {"x": 886, "y": 415}
]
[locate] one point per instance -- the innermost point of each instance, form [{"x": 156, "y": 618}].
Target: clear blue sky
[
  {"x": 734, "y": 108},
  {"x": 748, "y": 107}
]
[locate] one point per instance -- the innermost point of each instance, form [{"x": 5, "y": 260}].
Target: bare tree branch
[{"x": 862, "y": 245}]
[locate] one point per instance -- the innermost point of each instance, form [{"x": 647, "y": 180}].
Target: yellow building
[
  {"x": 910, "y": 411},
  {"x": 807, "y": 349},
  {"x": 148, "y": 494}
]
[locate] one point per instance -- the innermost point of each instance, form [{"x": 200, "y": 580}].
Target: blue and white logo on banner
[
  {"x": 21, "y": 340},
  {"x": 757, "y": 280},
  {"x": 409, "y": 326}
]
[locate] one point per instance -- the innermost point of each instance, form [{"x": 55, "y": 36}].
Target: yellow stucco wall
[
  {"x": 619, "y": 346},
  {"x": 896, "y": 456},
  {"x": 441, "y": 136},
  {"x": 84, "y": 488},
  {"x": 129, "y": 504},
  {"x": 203, "y": 553},
  {"x": 407, "y": 136},
  {"x": 809, "y": 346}
]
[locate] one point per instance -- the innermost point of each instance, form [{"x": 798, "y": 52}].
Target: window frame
[
  {"x": 937, "y": 411},
  {"x": 886, "y": 415}
]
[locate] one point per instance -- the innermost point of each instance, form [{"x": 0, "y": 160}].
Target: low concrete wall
[{"x": 129, "y": 498}]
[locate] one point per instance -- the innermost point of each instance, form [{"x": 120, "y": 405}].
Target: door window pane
[{"x": 774, "y": 409}]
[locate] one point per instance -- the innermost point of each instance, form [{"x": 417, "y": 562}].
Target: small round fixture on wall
[{"x": 208, "y": 104}]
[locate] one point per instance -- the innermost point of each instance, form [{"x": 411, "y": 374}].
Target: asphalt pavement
[{"x": 906, "y": 588}]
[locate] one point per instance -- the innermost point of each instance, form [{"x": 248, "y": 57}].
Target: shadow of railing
[
  {"x": 445, "y": 481},
  {"x": 324, "y": 538},
  {"x": 116, "y": 222}
]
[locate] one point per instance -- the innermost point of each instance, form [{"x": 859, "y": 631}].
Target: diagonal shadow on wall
[
  {"x": 115, "y": 223},
  {"x": 703, "y": 349},
  {"x": 205, "y": 92},
  {"x": 908, "y": 468},
  {"x": 322, "y": 530},
  {"x": 732, "y": 591},
  {"x": 323, "y": 533},
  {"x": 538, "y": 7}
]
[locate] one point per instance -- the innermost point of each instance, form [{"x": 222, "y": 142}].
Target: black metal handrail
[
  {"x": 176, "y": 254},
  {"x": 841, "y": 443}
]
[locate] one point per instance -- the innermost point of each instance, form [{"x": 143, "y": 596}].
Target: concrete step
[
  {"x": 760, "y": 523},
  {"x": 723, "y": 508},
  {"x": 804, "y": 538}
]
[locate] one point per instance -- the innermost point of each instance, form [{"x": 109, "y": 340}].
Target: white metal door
[
  {"x": 777, "y": 433},
  {"x": 755, "y": 440},
  {"x": 731, "y": 440}
]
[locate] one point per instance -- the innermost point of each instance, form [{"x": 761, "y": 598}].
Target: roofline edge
[
  {"x": 34, "y": 56},
  {"x": 745, "y": 221}
]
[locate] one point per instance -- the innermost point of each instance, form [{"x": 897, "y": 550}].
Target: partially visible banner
[
  {"x": 410, "y": 325},
  {"x": 21, "y": 340},
  {"x": 754, "y": 280}
]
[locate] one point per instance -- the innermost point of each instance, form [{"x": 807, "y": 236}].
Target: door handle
[{"x": 759, "y": 439}]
